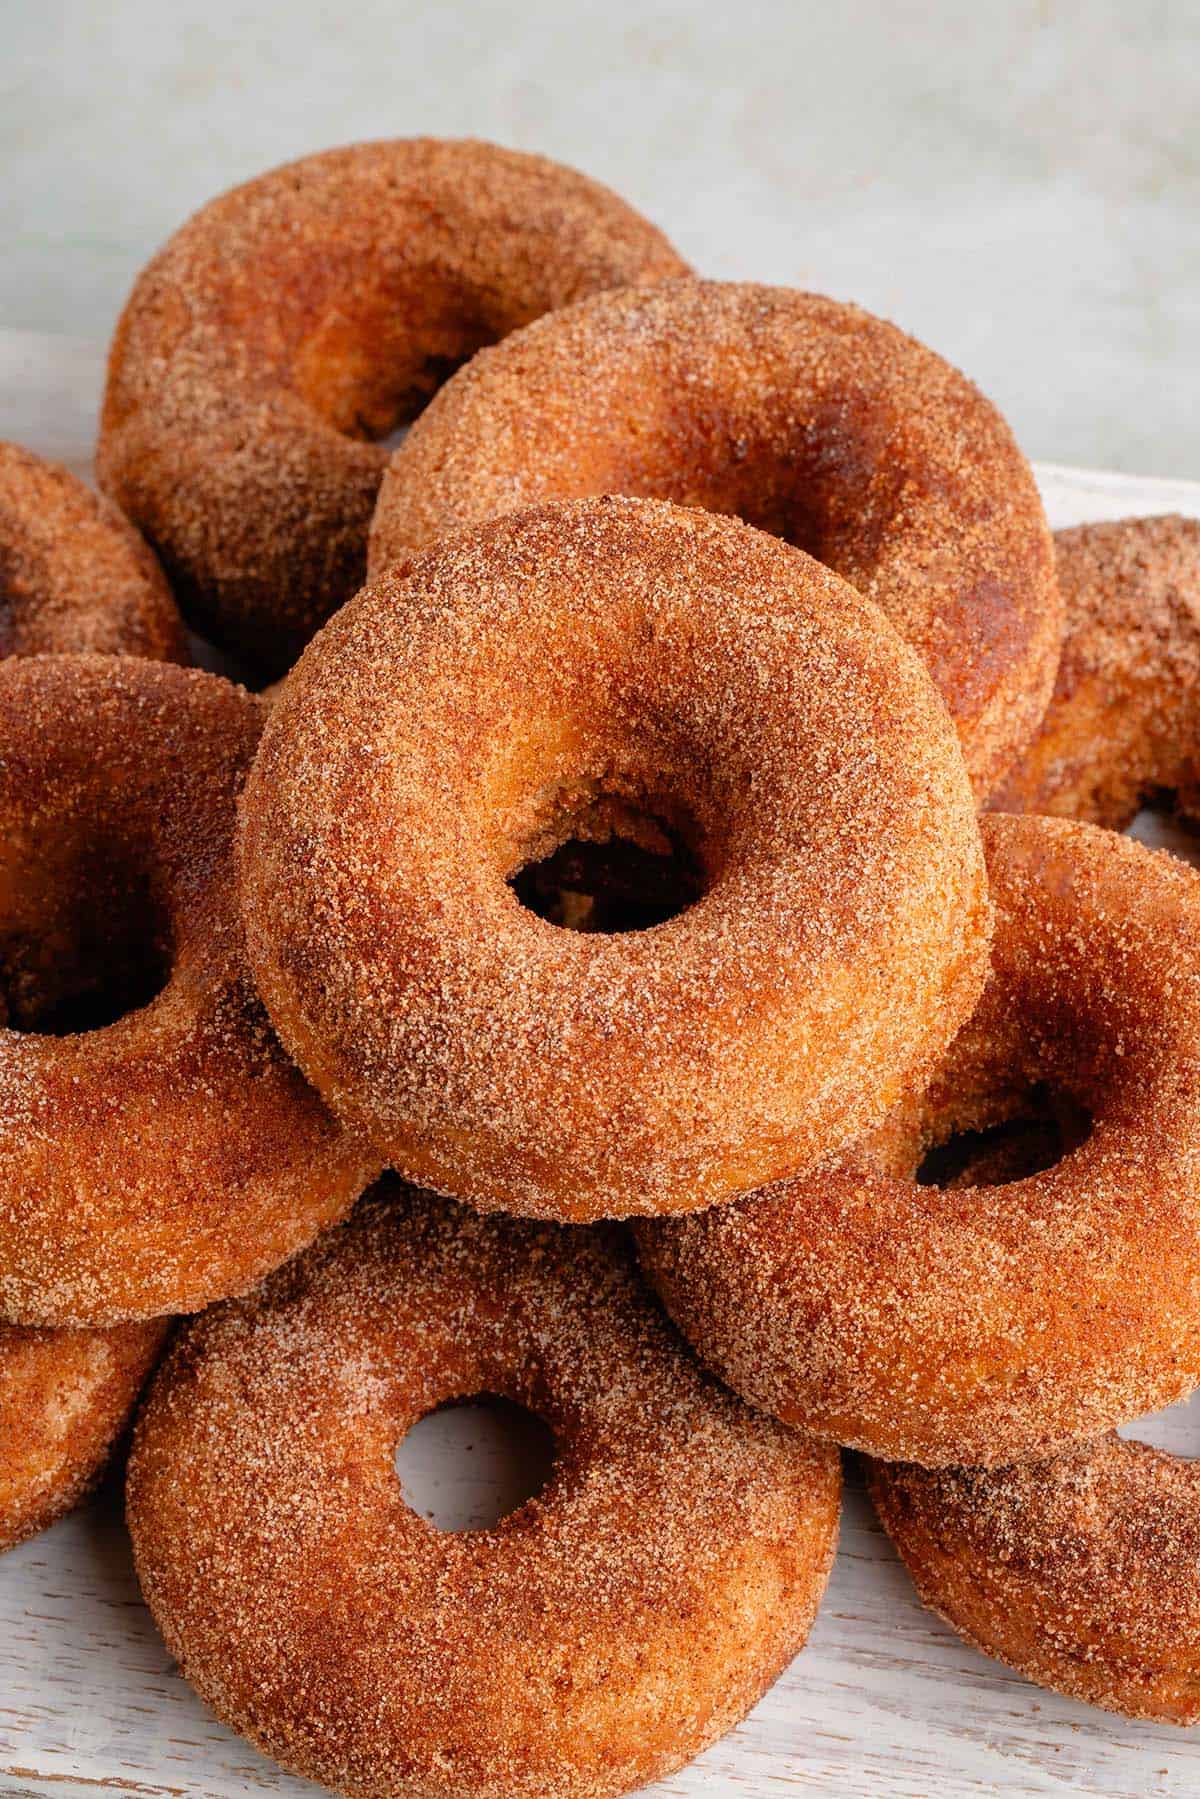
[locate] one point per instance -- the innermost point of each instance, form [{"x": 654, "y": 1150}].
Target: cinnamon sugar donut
[
  {"x": 809, "y": 418},
  {"x": 942, "y": 1324},
  {"x": 74, "y": 574},
  {"x": 157, "y": 1149},
  {"x": 64, "y": 1398},
  {"x": 299, "y": 318},
  {"x": 570, "y": 676},
  {"x": 1082, "y": 1571},
  {"x": 1124, "y": 723},
  {"x": 595, "y": 1639}
]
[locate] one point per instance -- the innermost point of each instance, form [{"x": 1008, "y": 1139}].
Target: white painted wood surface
[{"x": 884, "y": 1703}]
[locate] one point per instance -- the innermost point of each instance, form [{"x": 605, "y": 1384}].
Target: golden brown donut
[
  {"x": 577, "y": 674},
  {"x": 1123, "y": 724},
  {"x": 1081, "y": 1571},
  {"x": 298, "y": 319},
  {"x": 64, "y": 1398},
  {"x": 940, "y": 1324},
  {"x": 806, "y": 417},
  {"x": 594, "y": 1640},
  {"x": 74, "y": 574},
  {"x": 157, "y": 1149}
]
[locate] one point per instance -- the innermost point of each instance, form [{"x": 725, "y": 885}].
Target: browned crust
[
  {"x": 989, "y": 1324},
  {"x": 1122, "y": 725},
  {"x": 592, "y": 1642},
  {"x": 176, "y": 1155},
  {"x": 621, "y": 648},
  {"x": 302, "y": 315},
  {"x": 74, "y": 574},
  {"x": 1082, "y": 1572},
  {"x": 809, "y": 418},
  {"x": 64, "y": 1397}
]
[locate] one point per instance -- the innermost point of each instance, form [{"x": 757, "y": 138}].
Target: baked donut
[
  {"x": 595, "y": 1639},
  {"x": 64, "y": 1398},
  {"x": 157, "y": 1149},
  {"x": 938, "y": 1324},
  {"x": 298, "y": 319},
  {"x": 611, "y": 674},
  {"x": 806, "y": 417},
  {"x": 1124, "y": 723},
  {"x": 1081, "y": 1571},
  {"x": 74, "y": 574}
]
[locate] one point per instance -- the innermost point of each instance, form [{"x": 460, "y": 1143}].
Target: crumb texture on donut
[
  {"x": 64, "y": 1398},
  {"x": 1081, "y": 1571},
  {"x": 298, "y": 318},
  {"x": 157, "y": 1148},
  {"x": 604, "y": 668},
  {"x": 807, "y": 417},
  {"x": 1123, "y": 725},
  {"x": 984, "y": 1323},
  {"x": 74, "y": 574},
  {"x": 594, "y": 1640}
]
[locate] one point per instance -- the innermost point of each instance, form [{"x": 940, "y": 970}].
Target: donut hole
[
  {"x": 1175, "y": 1429},
  {"x": 611, "y": 865},
  {"x": 1012, "y": 1139},
  {"x": 470, "y": 1463}
]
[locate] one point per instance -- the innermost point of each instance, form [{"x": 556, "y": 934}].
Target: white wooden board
[{"x": 884, "y": 1703}]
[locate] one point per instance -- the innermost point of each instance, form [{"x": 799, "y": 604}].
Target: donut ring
[
  {"x": 300, "y": 317},
  {"x": 74, "y": 574},
  {"x": 1082, "y": 1572},
  {"x": 610, "y": 668},
  {"x": 936, "y": 1325},
  {"x": 1124, "y": 721},
  {"x": 595, "y": 1639},
  {"x": 175, "y": 1155},
  {"x": 64, "y": 1399},
  {"x": 809, "y": 418}
]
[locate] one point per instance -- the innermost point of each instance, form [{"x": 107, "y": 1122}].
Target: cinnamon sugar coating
[
  {"x": 989, "y": 1323},
  {"x": 298, "y": 318},
  {"x": 809, "y": 418},
  {"x": 1124, "y": 723},
  {"x": 594, "y": 1640},
  {"x": 582, "y": 671},
  {"x": 1082, "y": 1571},
  {"x": 74, "y": 574},
  {"x": 64, "y": 1398},
  {"x": 173, "y": 1154}
]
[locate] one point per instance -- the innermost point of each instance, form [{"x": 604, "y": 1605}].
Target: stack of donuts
[{"x": 651, "y": 940}]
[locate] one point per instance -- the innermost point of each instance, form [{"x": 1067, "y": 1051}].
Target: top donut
[
  {"x": 809, "y": 418},
  {"x": 299, "y": 318}
]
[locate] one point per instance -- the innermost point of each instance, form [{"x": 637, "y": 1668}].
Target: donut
[
  {"x": 1081, "y": 1571},
  {"x": 808, "y": 418},
  {"x": 989, "y": 1323},
  {"x": 74, "y": 574},
  {"x": 1123, "y": 724},
  {"x": 618, "y": 675},
  {"x": 297, "y": 320},
  {"x": 594, "y": 1640},
  {"x": 157, "y": 1148},
  {"x": 64, "y": 1398}
]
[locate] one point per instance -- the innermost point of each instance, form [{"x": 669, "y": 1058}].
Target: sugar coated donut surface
[
  {"x": 594, "y": 1640},
  {"x": 1124, "y": 723},
  {"x": 64, "y": 1398},
  {"x": 807, "y": 417},
  {"x": 300, "y": 317},
  {"x": 596, "y": 670},
  {"x": 74, "y": 574},
  {"x": 983, "y": 1324},
  {"x": 157, "y": 1149},
  {"x": 1081, "y": 1571}
]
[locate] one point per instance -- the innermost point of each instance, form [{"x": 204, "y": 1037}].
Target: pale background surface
[{"x": 1016, "y": 181}]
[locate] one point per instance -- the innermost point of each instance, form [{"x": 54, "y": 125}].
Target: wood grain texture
[{"x": 884, "y": 1703}]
